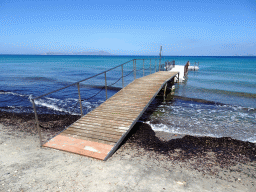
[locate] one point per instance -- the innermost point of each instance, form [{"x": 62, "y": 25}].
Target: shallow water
[
  {"x": 201, "y": 119},
  {"x": 229, "y": 83}
]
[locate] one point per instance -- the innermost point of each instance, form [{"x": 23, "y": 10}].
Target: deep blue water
[{"x": 227, "y": 80}]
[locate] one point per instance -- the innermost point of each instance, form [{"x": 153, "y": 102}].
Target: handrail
[
  {"x": 169, "y": 65},
  {"x": 161, "y": 67},
  {"x": 81, "y": 80},
  {"x": 88, "y": 78}
]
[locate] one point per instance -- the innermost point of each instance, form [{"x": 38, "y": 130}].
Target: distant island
[{"x": 79, "y": 53}]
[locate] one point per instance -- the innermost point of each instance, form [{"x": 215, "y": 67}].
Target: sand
[{"x": 147, "y": 161}]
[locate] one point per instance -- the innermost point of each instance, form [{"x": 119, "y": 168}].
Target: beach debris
[{"x": 180, "y": 183}]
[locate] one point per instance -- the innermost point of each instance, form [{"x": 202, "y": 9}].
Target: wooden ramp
[{"x": 99, "y": 133}]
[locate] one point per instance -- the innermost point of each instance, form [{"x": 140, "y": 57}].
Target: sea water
[{"x": 225, "y": 85}]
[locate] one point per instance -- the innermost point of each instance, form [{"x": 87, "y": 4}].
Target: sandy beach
[{"x": 146, "y": 161}]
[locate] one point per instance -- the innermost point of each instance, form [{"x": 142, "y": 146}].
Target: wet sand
[{"x": 146, "y": 161}]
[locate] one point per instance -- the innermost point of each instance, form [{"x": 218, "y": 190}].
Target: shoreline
[
  {"x": 141, "y": 135},
  {"x": 143, "y": 162},
  {"x": 52, "y": 124},
  {"x": 146, "y": 160}
]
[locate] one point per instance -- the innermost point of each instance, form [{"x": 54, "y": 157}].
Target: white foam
[
  {"x": 251, "y": 139},
  {"x": 177, "y": 130},
  {"x": 249, "y": 109},
  {"x": 30, "y": 97},
  {"x": 64, "y": 105},
  {"x": 11, "y": 93},
  {"x": 40, "y": 102},
  {"x": 212, "y": 132},
  {"x": 243, "y": 115}
]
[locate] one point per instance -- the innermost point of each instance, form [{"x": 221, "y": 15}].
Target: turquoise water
[
  {"x": 228, "y": 80},
  {"x": 229, "y": 83}
]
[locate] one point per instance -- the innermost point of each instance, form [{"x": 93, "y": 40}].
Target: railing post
[
  {"x": 106, "y": 86},
  {"x": 80, "y": 101},
  {"x": 155, "y": 65},
  {"x": 150, "y": 66},
  {"x": 165, "y": 87},
  {"x": 37, "y": 123},
  {"x": 143, "y": 68},
  {"x": 160, "y": 56},
  {"x": 123, "y": 76},
  {"x": 134, "y": 68}
]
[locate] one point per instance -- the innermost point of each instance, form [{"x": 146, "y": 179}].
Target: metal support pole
[
  {"x": 80, "y": 101},
  {"x": 160, "y": 57},
  {"x": 134, "y": 68},
  {"x": 150, "y": 66},
  {"x": 123, "y": 76},
  {"x": 106, "y": 86},
  {"x": 37, "y": 123},
  {"x": 143, "y": 68},
  {"x": 165, "y": 90},
  {"x": 155, "y": 65}
]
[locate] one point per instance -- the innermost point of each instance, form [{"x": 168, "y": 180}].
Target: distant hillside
[{"x": 80, "y": 53}]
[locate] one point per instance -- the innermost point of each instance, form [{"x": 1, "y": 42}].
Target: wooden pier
[{"x": 99, "y": 133}]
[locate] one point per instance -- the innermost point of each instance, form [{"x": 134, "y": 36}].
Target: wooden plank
[
  {"x": 93, "y": 136},
  {"x": 105, "y": 123},
  {"x": 91, "y": 129},
  {"x": 129, "y": 104},
  {"x": 88, "y": 133},
  {"x": 108, "y": 137},
  {"x": 106, "y": 117},
  {"x": 89, "y": 139},
  {"x": 126, "y": 117},
  {"x": 120, "y": 107},
  {"x": 127, "y": 101},
  {"x": 105, "y": 127},
  {"x": 118, "y": 112},
  {"x": 94, "y": 117},
  {"x": 97, "y": 125}
]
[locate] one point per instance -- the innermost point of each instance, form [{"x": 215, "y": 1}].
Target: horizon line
[{"x": 250, "y": 55}]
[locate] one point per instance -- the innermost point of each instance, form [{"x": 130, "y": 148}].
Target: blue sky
[{"x": 131, "y": 27}]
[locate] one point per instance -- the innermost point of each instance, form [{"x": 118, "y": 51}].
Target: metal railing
[
  {"x": 153, "y": 67},
  {"x": 169, "y": 65}
]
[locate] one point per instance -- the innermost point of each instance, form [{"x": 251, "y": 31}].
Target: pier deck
[{"x": 99, "y": 133}]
